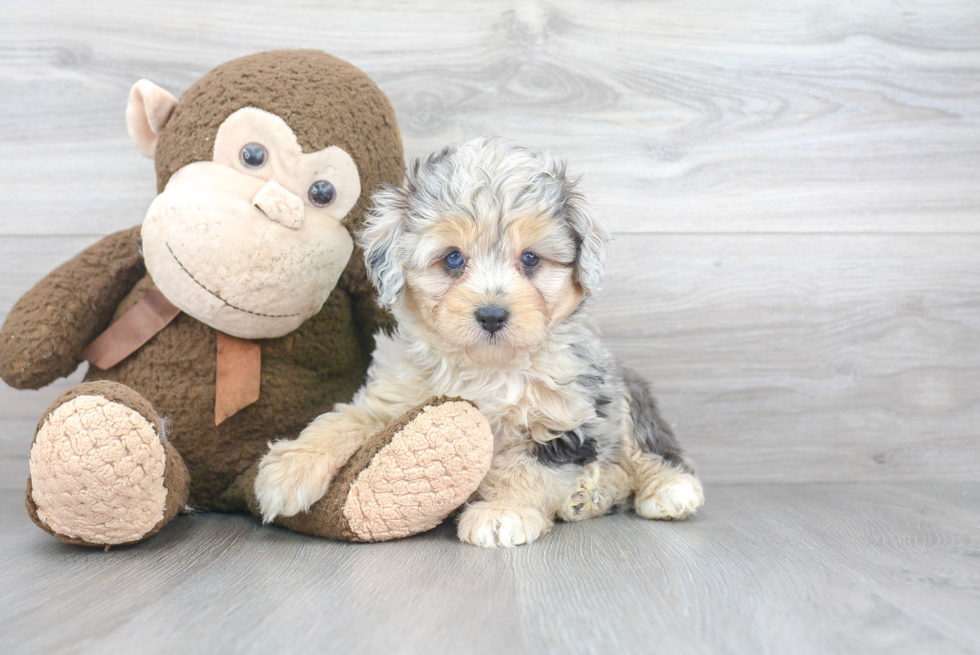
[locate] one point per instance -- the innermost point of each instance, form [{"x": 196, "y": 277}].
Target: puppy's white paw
[
  {"x": 291, "y": 478},
  {"x": 675, "y": 498},
  {"x": 491, "y": 525}
]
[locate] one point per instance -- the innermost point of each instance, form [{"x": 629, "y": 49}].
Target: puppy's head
[{"x": 485, "y": 247}]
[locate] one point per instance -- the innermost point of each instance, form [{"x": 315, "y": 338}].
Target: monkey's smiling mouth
[{"x": 228, "y": 304}]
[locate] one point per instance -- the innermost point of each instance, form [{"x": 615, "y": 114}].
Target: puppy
[{"x": 488, "y": 257}]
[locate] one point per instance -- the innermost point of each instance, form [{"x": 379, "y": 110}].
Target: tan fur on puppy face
[
  {"x": 492, "y": 202},
  {"x": 445, "y": 300}
]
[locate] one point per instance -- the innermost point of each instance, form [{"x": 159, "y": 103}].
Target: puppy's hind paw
[
  {"x": 290, "y": 479},
  {"x": 493, "y": 525},
  {"x": 676, "y": 498}
]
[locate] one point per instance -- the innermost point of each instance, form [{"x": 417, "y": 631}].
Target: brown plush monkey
[{"x": 236, "y": 314}]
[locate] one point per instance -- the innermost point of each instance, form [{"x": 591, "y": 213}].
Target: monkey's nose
[
  {"x": 492, "y": 318},
  {"x": 280, "y": 204}
]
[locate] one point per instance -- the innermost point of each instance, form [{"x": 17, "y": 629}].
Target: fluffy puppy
[{"x": 488, "y": 257}]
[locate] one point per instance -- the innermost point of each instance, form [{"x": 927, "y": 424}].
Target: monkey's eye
[
  {"x": 454, "y": 259},
  {"x": 253, "y": 155},
  {"x": 530, "y": 260},
  {"x": 322, "y": 193}
]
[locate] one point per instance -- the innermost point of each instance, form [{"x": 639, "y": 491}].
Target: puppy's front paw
[
  {"x": 675, "y": 498},
  {"x": 491, "y": 525},
  {"x": 291, "y": 478}
]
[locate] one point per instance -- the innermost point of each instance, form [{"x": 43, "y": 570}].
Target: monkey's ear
[
  {"x": 147, "y": 113},
  {"x": 383, "y": 241}
]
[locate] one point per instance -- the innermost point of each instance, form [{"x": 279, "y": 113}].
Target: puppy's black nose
[{"x": 492, "y": 318}]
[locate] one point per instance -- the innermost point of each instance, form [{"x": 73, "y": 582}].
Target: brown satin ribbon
[
  {"x": 239, "y": 361},
  {"x": 139, "y": 324},
  {"x": 239, "y": 375}
]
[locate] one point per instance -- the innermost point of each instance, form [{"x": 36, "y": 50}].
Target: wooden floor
[
  {"x": 794, "y": 191},
  {"x": 840, "y": 568}
]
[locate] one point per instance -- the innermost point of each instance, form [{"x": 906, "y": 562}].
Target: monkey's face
[{"x": 251, "y": 242}]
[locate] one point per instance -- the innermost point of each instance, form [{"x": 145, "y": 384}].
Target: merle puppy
[{"x": 489, "y": 257}]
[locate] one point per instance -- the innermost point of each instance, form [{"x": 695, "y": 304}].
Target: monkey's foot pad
[
  {"x": 429, "y": 464},
  {"x": 97, "y": 472}
]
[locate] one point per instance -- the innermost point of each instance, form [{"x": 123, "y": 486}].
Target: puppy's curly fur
[{"x": 488, "y": 257}]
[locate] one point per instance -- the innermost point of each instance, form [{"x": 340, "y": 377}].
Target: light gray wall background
[{"x": 793, "y": 187}]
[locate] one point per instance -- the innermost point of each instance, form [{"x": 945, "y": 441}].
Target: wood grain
[
  {"x": 762, "y": 569},
  {"x": 682, "y": 117}
]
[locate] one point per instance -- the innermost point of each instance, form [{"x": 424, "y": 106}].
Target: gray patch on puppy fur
[
  {"x": 649, "y": 428},
  {"x": 567, "y": 448}
]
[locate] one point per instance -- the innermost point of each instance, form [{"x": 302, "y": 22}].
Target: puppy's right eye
[{"x": 454, "y": 259}]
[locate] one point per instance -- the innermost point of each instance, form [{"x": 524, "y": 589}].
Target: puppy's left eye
[
  {"x": 530, "y": 260},
  {"x": 454, "y": 259}
]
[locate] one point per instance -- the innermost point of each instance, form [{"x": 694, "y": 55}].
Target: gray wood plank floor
[{"x": 843, "y": 568}]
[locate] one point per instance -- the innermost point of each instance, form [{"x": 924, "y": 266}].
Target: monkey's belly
[{"x": 175, "y": 371}]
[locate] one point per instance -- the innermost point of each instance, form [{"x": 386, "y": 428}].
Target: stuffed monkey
[{"x": 238, "y": 312}]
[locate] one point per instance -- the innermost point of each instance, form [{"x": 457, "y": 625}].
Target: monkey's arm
[{"x": 52, "y": 323}]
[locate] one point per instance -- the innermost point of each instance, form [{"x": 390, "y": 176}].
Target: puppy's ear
[
  {"x": 381, "y": 238},
  {"x": 590, "y": 233}
]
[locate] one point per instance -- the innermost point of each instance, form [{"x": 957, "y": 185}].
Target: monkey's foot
[
  {"x": 101, "y": 473},
  {"x": 405, "y": 480}
]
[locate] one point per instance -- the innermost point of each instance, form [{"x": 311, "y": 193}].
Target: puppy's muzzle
[{"x": 492, "y": 318}]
